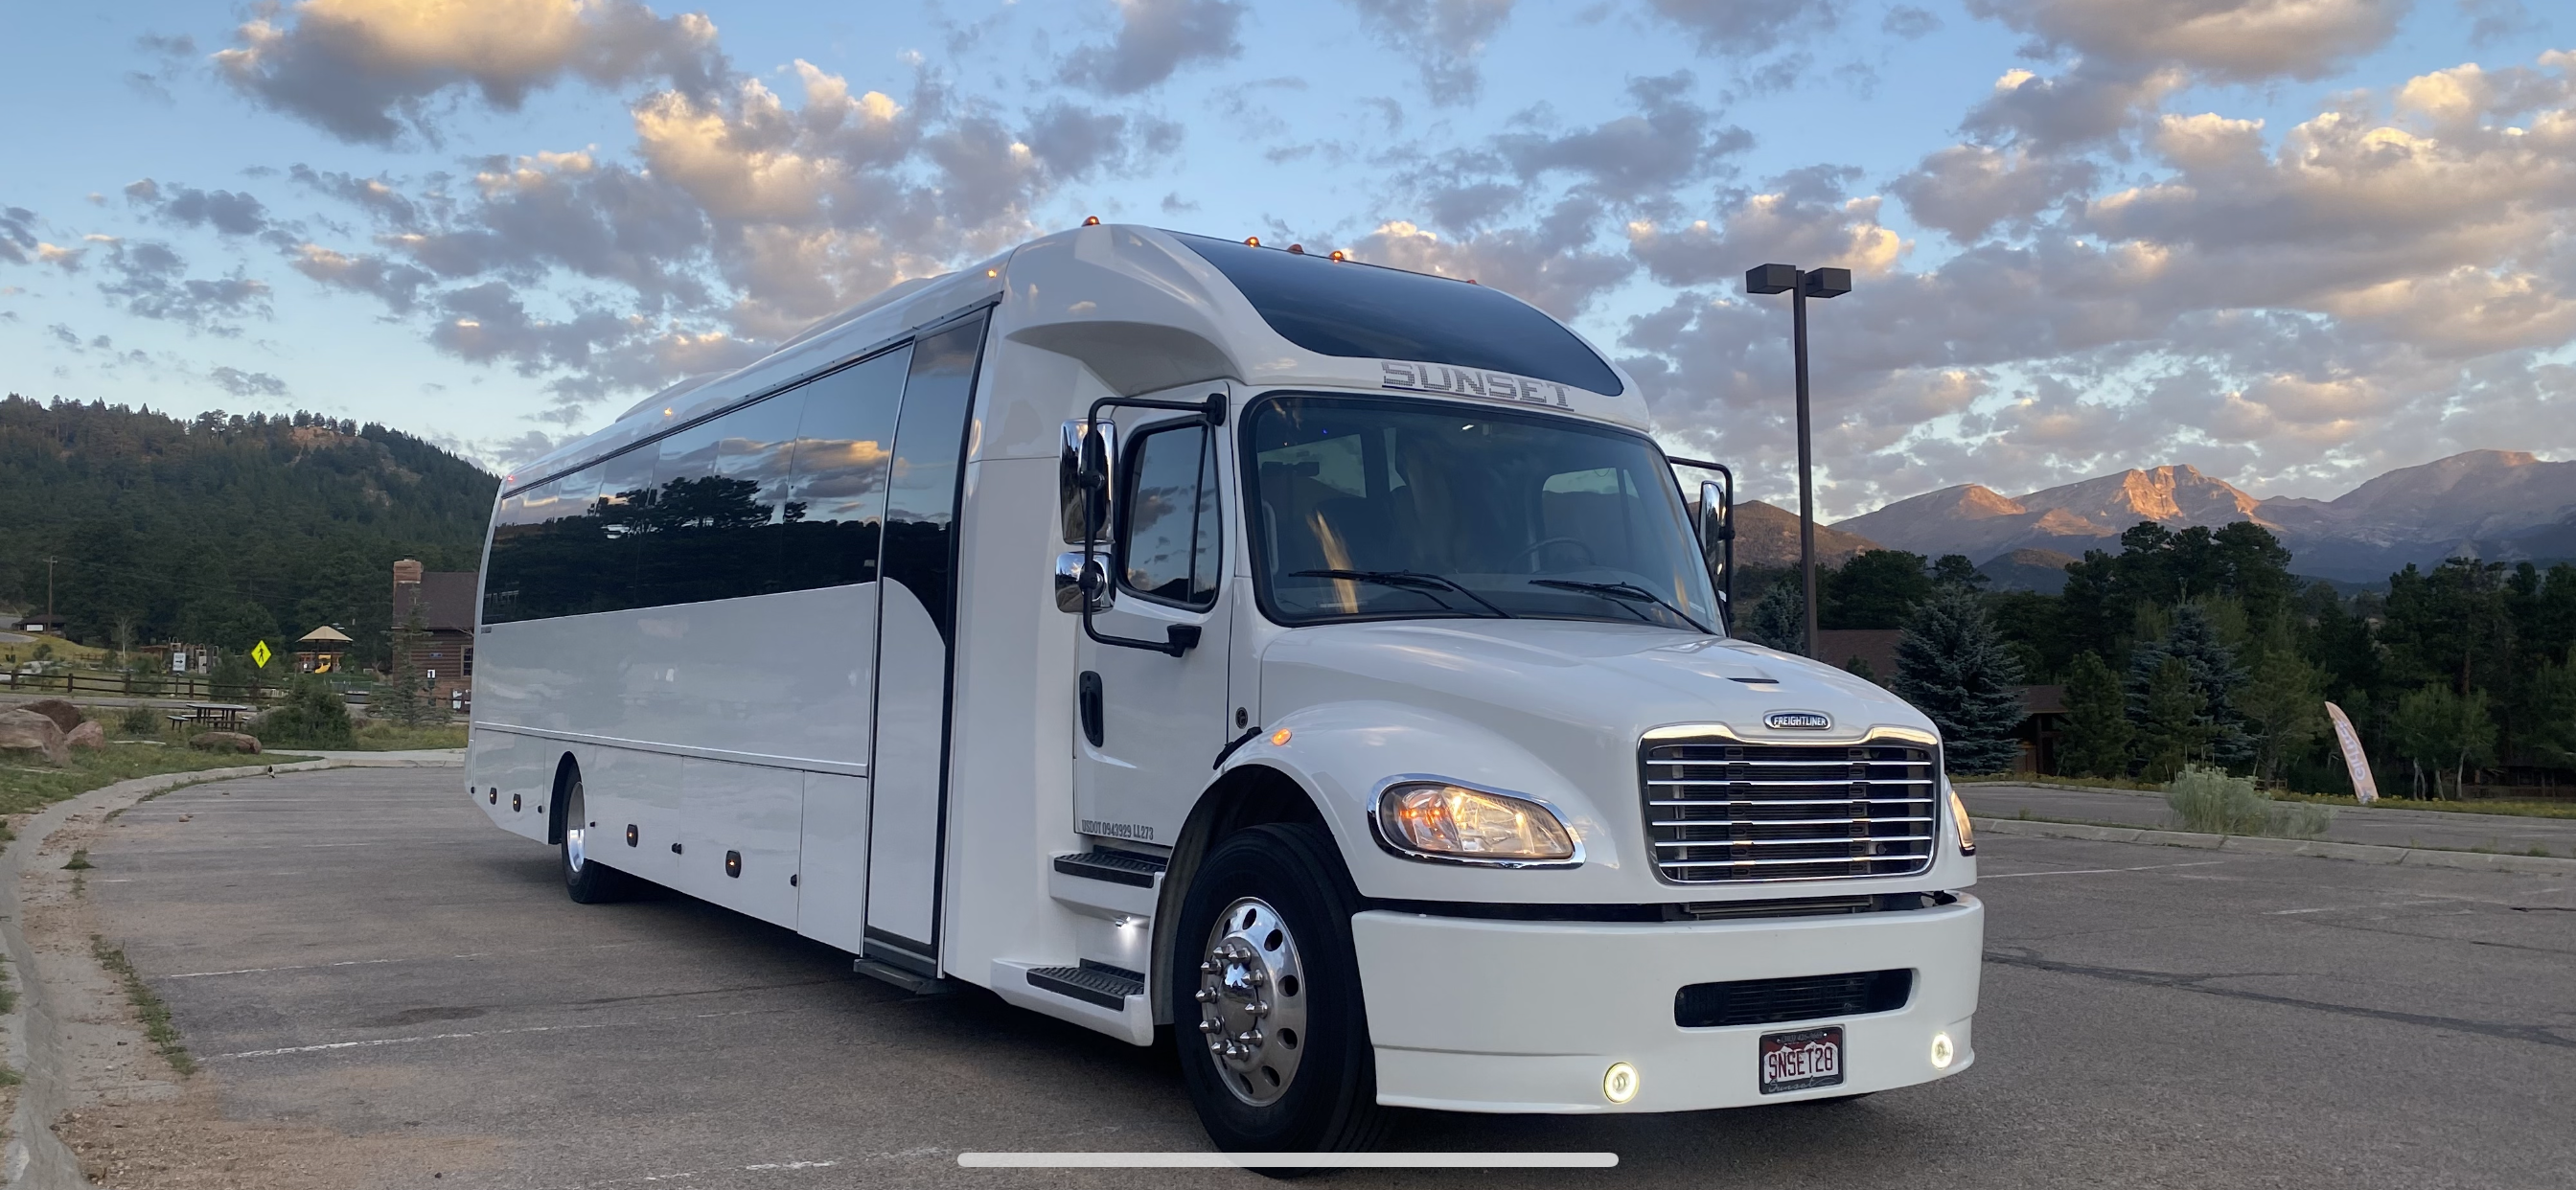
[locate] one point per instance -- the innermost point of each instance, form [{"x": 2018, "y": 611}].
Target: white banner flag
[{"x": 2365, "y": 788}]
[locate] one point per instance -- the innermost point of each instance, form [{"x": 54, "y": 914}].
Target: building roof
[
  {"x": 446, "y": 599},
  {"x": 325, "y": 634}
]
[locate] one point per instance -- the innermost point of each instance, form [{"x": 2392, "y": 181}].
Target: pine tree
[
  {"x": 406, "y": 689},
  {"x": 2284, "y": 701},
  {"x": 2098, "y": 730},
  {"x": 2210, "y": 666},
  {"x": 1953, "y": 666},
  {"x": 1779, "y": 619},
  {"x": 2172, "y": 724}
]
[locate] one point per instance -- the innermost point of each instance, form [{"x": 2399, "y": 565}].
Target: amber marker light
[
  {"x": 1338, "y": 255},
  {"x": 1091, "y": 221},
  {"x": 1255, "y": 241},
  {"x": 1279, "y": 738},
  {"x": 1296, "y": 249}
]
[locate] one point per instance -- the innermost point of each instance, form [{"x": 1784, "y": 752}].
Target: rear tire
[
  {"x": 586, "y": 880},
  {"x": 1268, "y": 1019}
]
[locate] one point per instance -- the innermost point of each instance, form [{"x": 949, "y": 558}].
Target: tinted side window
[
  {"x": 1340, "y": 308},
  {"x": 1167, "y": 548},
  {"x": 506, "y": 570},
  {"x": 754, "y": 450},
  {"x": 930, "y": 449},
  {"x": 685, "y": 520},
  {"x": 622, "y": 506},
  {"x": 835, "y": 501}
]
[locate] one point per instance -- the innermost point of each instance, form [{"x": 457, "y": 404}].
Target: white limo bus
[{"x": 1312, "y": 663}]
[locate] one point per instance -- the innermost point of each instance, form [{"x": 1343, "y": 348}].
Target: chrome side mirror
[
  {"x": 1073, "y": 581},
  {"x": 1717, "y": 538},
  {"x": 1082, "y": 480}
]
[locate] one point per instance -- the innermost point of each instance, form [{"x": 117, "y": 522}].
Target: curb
[
  {"x": 35, "y": 1156},
  {"x": 2368, "y": 853}
]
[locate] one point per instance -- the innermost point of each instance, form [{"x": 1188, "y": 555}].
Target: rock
[
  {"x": 27, "y": 731},
  {"x": 223, "y": 741},
  {"x": 87, "y": 735},
  {"x": 65, "y": 715}
]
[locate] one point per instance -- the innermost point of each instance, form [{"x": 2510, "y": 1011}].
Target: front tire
[
  {"x": 586, "y": 880},
  {"x": 1265, "y": 992}
]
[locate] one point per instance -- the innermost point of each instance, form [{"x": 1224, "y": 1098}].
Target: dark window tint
[
  {"x": 930, "y": 448},
  {"x": 785, "y": 494},
  {"x": 835, "y": 498},
  {"x": 1167, "y": 548},
  {"x": 754, "y": 450},
  {"x": 1341, "y": 308}
]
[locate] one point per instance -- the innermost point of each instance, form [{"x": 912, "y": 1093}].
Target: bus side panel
[
  {"x": 741, "y": 835},
  {"x": 626, "y": 787},
  {"x": 500, "y": 765},
  {"x": 832, "y": 897}
]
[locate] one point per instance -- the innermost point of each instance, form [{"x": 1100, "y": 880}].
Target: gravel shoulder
[{"x": 2352, "y": 824}]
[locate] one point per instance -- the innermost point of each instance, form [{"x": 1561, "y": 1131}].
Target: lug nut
[{"x": 1203, "y": 995}]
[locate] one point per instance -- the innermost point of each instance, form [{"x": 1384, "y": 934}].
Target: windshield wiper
[
  {"x": 1625, "y": 592},
  {"x": 1404, "y": 580}
]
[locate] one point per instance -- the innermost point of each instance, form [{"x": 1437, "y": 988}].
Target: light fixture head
[
  {"x": 1771, "y": 278},
  {"x": 1825, "y": 283}
]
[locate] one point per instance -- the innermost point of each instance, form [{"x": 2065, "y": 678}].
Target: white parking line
[{"x": 2098, "y": 871}]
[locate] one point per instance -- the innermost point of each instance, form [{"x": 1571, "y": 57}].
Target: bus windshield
[{"x": 1367, "y": 509}]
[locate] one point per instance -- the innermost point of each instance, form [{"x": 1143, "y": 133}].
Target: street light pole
[{"x": 1800, "y": 285}]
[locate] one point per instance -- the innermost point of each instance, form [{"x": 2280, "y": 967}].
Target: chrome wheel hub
[
  {"x": 574, "y": 825},
  {"x": 1252, "y": 1001}
]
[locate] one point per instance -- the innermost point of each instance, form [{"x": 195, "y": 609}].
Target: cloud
[
  {"x": 1552, "y": 271},
  {"x": 392, "y": 282},
  {"x": 2222, "y": 40},
  {"x": 17, "y": 234},
  {"x": 1968, "y": 190},
  {"x": 378, "y": 196},
  {"x": 1155, "y": 39},
  {"x": 1670, "y": 140},
  {"x": 151, "y": 279},
  {"x": 1445, "y": 38},
  {"x": 1749, "y": 26},
  {"x": 364, "y": 70},
  {"x": 1803, "y": 218},
  {"x": 226, "y": 211},
  {"x": 2363, "y": 291},
  {"x": 243, "y": 384}
]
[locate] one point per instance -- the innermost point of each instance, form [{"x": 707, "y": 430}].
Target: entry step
[
  {"x": 1115, "y": 867},
  {"x": 1091, "y": 983}
]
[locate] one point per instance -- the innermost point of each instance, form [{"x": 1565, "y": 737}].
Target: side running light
[{"x": 1967, "y": 831}]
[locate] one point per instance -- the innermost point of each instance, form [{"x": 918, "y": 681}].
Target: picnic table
[{"x": 226, "y": 716}]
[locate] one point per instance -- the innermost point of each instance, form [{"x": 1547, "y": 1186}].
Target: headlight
[
  {"x": 1442, "y": 821},
  {"x": 1967, "y": 833}
]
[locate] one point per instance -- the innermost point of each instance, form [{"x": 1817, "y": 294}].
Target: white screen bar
[{"x": 1287, "y": 1160}]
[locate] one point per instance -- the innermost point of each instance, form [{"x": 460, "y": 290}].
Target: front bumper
[{"x": 1518, "y": 1016}]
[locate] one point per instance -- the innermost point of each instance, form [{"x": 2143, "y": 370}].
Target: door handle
[{"x": 1088, "y": 705}]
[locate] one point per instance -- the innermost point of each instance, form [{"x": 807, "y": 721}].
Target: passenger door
[
  {"x": 1148, "y": 725},
  {"x": 917, "y": 647}
]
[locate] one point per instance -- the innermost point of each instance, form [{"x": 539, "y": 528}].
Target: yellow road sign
[{"x": 259, "y": 653}]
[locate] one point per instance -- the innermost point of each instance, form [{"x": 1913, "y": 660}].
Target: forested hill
[{"x": 223, "y": 529}]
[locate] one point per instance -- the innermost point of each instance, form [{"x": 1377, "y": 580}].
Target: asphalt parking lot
[{"x": 359, "y": 951}]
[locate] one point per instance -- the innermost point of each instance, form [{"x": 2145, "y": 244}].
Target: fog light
[
  {"x": 1942, "y": 1051},
  {"x": 1619, "y": 1083}
]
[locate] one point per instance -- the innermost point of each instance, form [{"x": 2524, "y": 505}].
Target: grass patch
[
  {"x": 24, "y": 789},
  {"x": 2565, "y": 809},
  {"x": 2210, "y": 801},
  {"x": 385, "y": 736},
  {"x": 155, "y": 1014},
  {"x": 2027, "y": 779}
]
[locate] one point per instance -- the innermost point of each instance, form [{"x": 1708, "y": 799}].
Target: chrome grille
[{"x": 1718, "y": 810}]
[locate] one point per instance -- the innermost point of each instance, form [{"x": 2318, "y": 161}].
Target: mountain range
[{"x": 2492, "y": 504}]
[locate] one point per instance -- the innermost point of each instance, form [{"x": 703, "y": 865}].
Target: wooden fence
[{"x": 174, "y": 687}]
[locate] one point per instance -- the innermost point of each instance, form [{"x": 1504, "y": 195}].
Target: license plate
[{"x": 1802, "y": 1060}]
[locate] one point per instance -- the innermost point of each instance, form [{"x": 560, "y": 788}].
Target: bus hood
[
  {"x": 1595, "y": 678},
  {"x": 1553, "y": 710}
]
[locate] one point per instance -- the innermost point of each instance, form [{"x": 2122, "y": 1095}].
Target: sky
[{"x": 2293, "y": 243}]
